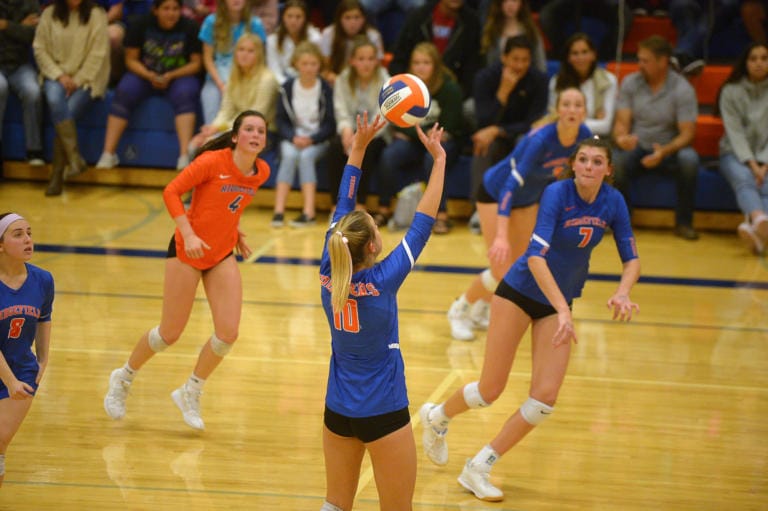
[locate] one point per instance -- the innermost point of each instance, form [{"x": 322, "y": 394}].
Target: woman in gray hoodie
[{"x": 743, "y": 105}]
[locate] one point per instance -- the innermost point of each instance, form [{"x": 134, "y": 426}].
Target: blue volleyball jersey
[
  {"x": 20, "y": 312},
  {"x": 519, "y": 179},
  {"x": 367, "y": 375},
  {"x": 567, "y": 229}
]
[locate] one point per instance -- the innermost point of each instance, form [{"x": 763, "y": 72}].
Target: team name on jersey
[
  {"x": 585, "y": 220},
  {"x": 237, "y": 189},
  {"x": 19, "y": 310},
  {"x": 355, "y": 288}
]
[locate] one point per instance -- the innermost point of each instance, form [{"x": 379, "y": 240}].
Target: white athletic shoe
[
  {"x": 188, "y": 402},
  {"x": 477, "y": 481},
  {"x": 460, "y": 320},
  {"x": 107, "y": 161},
  {"x": 480, "y": 314},
  {"x": 114, "y": 401},
  {"x": 750, "y": 238},
  {"x": 435, "y": 445}
]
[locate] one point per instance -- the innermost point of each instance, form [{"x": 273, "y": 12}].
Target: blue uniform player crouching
[
  {"x": 539, "y": 290},
  {"x": 366, "y": 404}
]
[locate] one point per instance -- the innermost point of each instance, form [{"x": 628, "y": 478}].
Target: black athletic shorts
[
  {"x": 367, "y": 429},
  {"x": 536, "y": 310},
  {"x": 172, "y": 251},
  {"x": 483, "y": 196}
]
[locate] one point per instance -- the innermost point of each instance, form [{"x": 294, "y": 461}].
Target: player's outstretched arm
[
  {"x": 430, "y": 201},
  {"x": 362, "y": 137},
  {"x": 624, "y": 308}
]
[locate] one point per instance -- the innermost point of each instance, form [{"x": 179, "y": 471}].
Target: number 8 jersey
[{"x": 20, "y": 312}]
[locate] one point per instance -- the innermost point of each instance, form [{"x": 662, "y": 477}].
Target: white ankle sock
[
  {"x": 128, "y": 372},
  {"x": 195, "y": 383},
  {"x": 437, "y": 417},
  {"x": 485, "y": 459}
]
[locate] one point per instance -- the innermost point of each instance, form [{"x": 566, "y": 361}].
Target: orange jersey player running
[{"x": 224, "y": 177}]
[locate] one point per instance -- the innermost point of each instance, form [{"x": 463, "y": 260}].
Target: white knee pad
[
  {"x": 2, "y": 464},
  {"x": 472, "y": 396},
  {"x": 219, "y": 347},
  {"x": 489, "y": 282},
  {"x": 327, "y": 506},
  {"x": 534, "y": 412},
  {"x": 156, "y": 342}
]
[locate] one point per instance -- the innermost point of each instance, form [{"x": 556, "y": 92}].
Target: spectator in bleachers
[
  {"x": 18, "y": 19},
  {"x": 579, "y": 68},
  {"x": 268, "y": 11},
  {"x": 162, "y": 57},
  {"x": 406, "y": 153},
  {"x": 72, "y": 79},
  {"x": 198, "y": 10},
  {"x": 654, "y": 128},
  {"x": 453, "y": 28},
  {"x": 743, "y": 105},
  {"x": 219, "y": 33},
  {"x": 505, "y": 19},
  {"x": 305, "y": 124},
  {"x": 754, "y": 13},
  {"x": 375, "y": 7},
  {"x": 695, "y": 21},
  {"x": 357, "y": 91},
  {"x": 294, "y": 28},
  {"x": 508, "y": 203},
  {"x": 561, "y": 18},
  {"x": 116, "y": 35},
  {"x": 509, "y": 96},
  {"x": 349, "y": 21},
  {"x": 250, "y": 86}
]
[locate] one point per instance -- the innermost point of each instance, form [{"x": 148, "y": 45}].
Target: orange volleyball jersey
[{"x": 220, "y": 194}]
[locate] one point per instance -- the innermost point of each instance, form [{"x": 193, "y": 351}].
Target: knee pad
[
  {"x": 534, "y": 412},
  {"x": 156, "y": 342},
  {"x": 488, "y": 280},
  {"x": 2, "y": 464},
  {"x": 220, "y": 347},
  {"x": 472, "y": 396}
]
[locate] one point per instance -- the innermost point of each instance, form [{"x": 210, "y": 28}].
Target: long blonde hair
[
  {"x": 439, "y": 70},
  {"x": 347, "y": 249},
  {"x": 239, "y": 77},
  {"x": 222, "y": 26},
  {"x": 360, "y": 41}
]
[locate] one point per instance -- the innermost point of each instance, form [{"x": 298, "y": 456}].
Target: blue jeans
[
  {"x": 23, "y": 82},
  {"x": 748, "y": 196},
  {"x": 292, "y": 158},
  {"x": 62, "y": 107},
  {"x": 409, "y": 159},
  {"x": 683, "y": 166},
  {"x": 210, "y": 99}
]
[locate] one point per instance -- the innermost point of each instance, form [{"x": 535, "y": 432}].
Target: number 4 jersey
[{"x": 20, "y": 312}]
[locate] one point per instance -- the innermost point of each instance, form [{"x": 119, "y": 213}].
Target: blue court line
[{"x": 430, "y": 268}]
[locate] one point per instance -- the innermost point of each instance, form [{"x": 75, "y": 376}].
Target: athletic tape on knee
[
  {"x": 327, "y": 506},
  {"x": 472, "y": 396},
  {"x": 2, "y": 464},
  {"x": 489, "y": 282},
  {"x": 219, "y": 347},
  {"x": 156, "y": 342},
  {"x": 534, "y": 412}
]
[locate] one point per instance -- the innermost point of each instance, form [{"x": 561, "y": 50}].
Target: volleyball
[{"x": 404, "y": 100}]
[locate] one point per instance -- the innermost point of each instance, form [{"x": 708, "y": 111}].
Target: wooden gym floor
[{"x": 669, "y": 412}]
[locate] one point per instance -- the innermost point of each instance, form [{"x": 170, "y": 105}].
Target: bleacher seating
[{"x": 150, "y": 140}]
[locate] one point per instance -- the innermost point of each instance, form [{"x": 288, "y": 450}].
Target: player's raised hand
[
  {"x": 431, "y": 141},
  {"x": 366, "y": 130}
]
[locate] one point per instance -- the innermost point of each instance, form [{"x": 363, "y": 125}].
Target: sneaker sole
[
  {"x": 106, "y": 409},
  {"x": 467, "y": 487}
]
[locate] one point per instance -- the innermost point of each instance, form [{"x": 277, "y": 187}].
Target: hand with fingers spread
[
  {"x": 242, "y": 247},
  {"x": 623, "y": 308},
  {"x": 432, "y": 141},
  {"x": 565, "y": 331}
]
